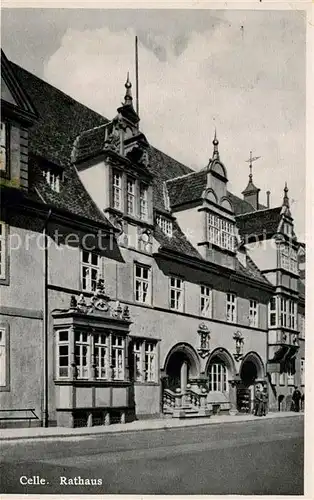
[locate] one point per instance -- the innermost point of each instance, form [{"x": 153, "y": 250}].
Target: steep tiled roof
[
  {"x": 178, "y": 241},
  {"x": 256, "y": 223},
  {"x": 187, "y": 188},
  {"x": 251, "y": 270}
]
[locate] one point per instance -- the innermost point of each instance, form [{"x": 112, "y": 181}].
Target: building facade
[{"x": 131, "y": 285}]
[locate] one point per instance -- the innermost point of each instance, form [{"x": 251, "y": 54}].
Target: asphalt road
[{"x": 250, "y": 458}]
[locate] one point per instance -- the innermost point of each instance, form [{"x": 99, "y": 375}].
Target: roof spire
[
  {"x": 128, "y": 93},
  {"x": 285, "y": 202},
  {"x": 215, "y": 143}
]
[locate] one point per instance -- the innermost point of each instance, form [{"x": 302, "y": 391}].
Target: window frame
[
  {"x": 143, "y": 201},
  {"x": 176, "y": 289},
  {"x": 218, "y": 377},
  {"x": 221, "y": 232},
  {"x": 5, "y": 328},
  {"x": 165, "y": 224},
  {"x": 234, "y": 307},
  {"x": 62, "y": 343},
  {"x": 117, "y": 189},
  {"x": 206, "y": 297},
  {"x": 146, "y": 359},
  {"x": 141, "y": 280},
  {"x": 90, "y": 266},
  {"x": 254, "y": 318},
  {"x": 5, "y": 256},
  {"x": 5, "y": 172}
]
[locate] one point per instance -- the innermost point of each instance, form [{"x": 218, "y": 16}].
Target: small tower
[{"x": 251, "y": 192}]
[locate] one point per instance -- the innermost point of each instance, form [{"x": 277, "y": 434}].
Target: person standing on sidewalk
[
  {"x": 264, "y": 402},
  {"x": 296, "y": 398},
  {"x": 258, "y": 402}
]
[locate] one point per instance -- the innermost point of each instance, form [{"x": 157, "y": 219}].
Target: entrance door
[
  {"x": 178, "y": 371},
  {"x": 245, "y": 391}
]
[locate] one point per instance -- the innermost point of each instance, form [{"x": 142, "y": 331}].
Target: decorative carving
[
  {"x": 99, "y": 300},
  {"x": 204, "y": 334},
  {"x": 73, "y": 303},
  {"x": 239, "y": 343},
  {"x": 126, "y": 313},
  {"x": 117, "y": 312},
  {"x": 81, "y": 304}
]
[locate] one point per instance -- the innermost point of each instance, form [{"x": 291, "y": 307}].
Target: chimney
[{"x": 268, "y": 198}]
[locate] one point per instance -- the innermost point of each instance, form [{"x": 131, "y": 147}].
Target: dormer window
[
  {"x": 288, "y": 259},
  {"x": 165, "y": 225},
  {"x": 52, "y": 178},
  {"x": 221, "y": 232}
]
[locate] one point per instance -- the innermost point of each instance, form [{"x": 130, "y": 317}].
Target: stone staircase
[{"x": 191, "y": 404}]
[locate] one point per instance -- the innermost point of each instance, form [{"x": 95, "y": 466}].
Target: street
[{"x": 262, "y": 457}]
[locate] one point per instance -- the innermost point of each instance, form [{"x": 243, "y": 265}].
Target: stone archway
[
  {"x": 181, "y": 363},
  {"x": 252, "y": 372}
]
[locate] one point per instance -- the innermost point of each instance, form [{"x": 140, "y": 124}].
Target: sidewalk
[{"x": 138, "y": 425}]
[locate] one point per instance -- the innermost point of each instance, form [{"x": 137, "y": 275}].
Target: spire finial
[
  {"x": 215, "y": 143},
  {"x": 286, "y": 197},
  {"x": 128, "y": 94},
  {"x": 250, "y": 161}
]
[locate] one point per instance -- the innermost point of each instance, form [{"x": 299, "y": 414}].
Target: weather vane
[{"x": 250, "y": 161}]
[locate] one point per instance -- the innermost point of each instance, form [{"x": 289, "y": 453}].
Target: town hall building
[{"x": 133, "y": 286}]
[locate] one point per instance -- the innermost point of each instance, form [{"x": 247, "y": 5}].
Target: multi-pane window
[
  {"x": 101, "y": 355},
  {"x": 3, "y": 357},
  {"x": 143, "y": 202},
  {"x": 302, "y": 371},
  {"x": 283, "y": 312},
  {"x": 145, "y": 361},
  {"x": 142, "y": 284},
  {"x": 4, "y": 147},
  {"x": 165, "y": 225},
  {"x": 117, "y": 346},
  {"x": 176, "y": 294},
  {"x": 53, "y": 179},
  {"x": 231, "y": 308},
  {"x": 117, "y": 190},
  {"x": 282, "y": 378},
  {"x": 82, "y": 354},
  {"x": 221, "y": 232},
  {"x": 99, "y": 351},
  {"x": 3, "y": 250},
  {"x": 292, "y": 315},
  {"x": 130, "y": 203},
  {"x": 302, "y": 327},
  {"x": 290, "y": 378},
  {"x": 206, "y": 301},
  {"x": 217, "y": 377},
  {"x": 288, "y": 258},
  {"x": 253, "y": 313},
  {"x": 272, "y": 311},
  {"x": 90, "y": 270},
  {"x": 63, "y": 354}
]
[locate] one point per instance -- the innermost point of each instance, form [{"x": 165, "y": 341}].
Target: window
[
  {"x": 253, "y": 313},
  {"x": 290, "y": 377},
  {"x": 302, "y": 327},
  {"x": 283, "y": 312},
  {"x": 99, "y": 351},
  {"x": 282, "y": 378},
  {"x": 221, "y": 232},
  {"x": 82, "y": 354},
  {"x": 130, "y": 196},
  {"x": 4, "y": 358},
  {"x": 3, "y": 250},
  {"x": 53, "y": 179},
  {"x": 176, "y": 294},
  {"x": 101, "y": 354},
  {"x": 63, "y": 355},
  {"x": 292, "y": 315},
  {"x": 142, "y": 284},
  {"x": 272, "y": 310},
  {"x": 302, "y": 371},
  {"x": 4, "y": 145},
  {"x": 165, "y": 225},
  {"x": 231, "y": 311},
  {"x": 118, "y": 357},
  {"x": 144, "y": 358},
  {"x": 288, "y": 258},
  {"x": 206, "y": 301},
  {"x": 143, "y": 202},
  {"x": 117, "y": 190},
  {"x": 217, "y": 377},
  {"x": 90, "y": 270}
]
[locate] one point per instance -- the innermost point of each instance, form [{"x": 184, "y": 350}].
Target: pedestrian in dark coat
[
  {"x": 264, "y": 402},
  {"x": 296, "y": 398},
  {"x": 258, "y": 403}
]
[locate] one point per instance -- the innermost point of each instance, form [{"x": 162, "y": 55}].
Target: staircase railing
[
  {"x": 171, "y": 399},
  {"x": 196, "y": 399}
]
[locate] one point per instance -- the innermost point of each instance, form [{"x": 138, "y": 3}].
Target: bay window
[
  {"x": 101, "y": 354},
  {"x": 63, "y": 354},
  {"x": 82, "y": 354},
  {"x": 117, "y": 353},
  {"x": 273, "y": 312},
  {"x": 283, "y": 313},
  {"x": 288, "y": 258}
]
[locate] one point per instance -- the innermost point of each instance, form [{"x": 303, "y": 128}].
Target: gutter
[{"x": 45, "y": 322}]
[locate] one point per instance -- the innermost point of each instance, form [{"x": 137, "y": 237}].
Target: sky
[{"x": 239, "y": 71}]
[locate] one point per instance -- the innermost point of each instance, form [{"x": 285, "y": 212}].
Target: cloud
[{"x": 191, "y": 83}]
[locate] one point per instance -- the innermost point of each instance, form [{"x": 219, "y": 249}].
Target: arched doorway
[
  {"x": 220, "y": 371},
  {"x": 181, "y": 364},
  {"x": 252, "y": 373}
]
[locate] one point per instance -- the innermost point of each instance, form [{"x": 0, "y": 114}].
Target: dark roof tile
[{"x": 259, "y": 222}]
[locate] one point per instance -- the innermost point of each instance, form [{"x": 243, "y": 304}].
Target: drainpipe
[{"x": 45, "y": 319}]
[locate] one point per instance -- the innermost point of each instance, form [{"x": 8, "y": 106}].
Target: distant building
[{"x": 131, "y": 285}]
